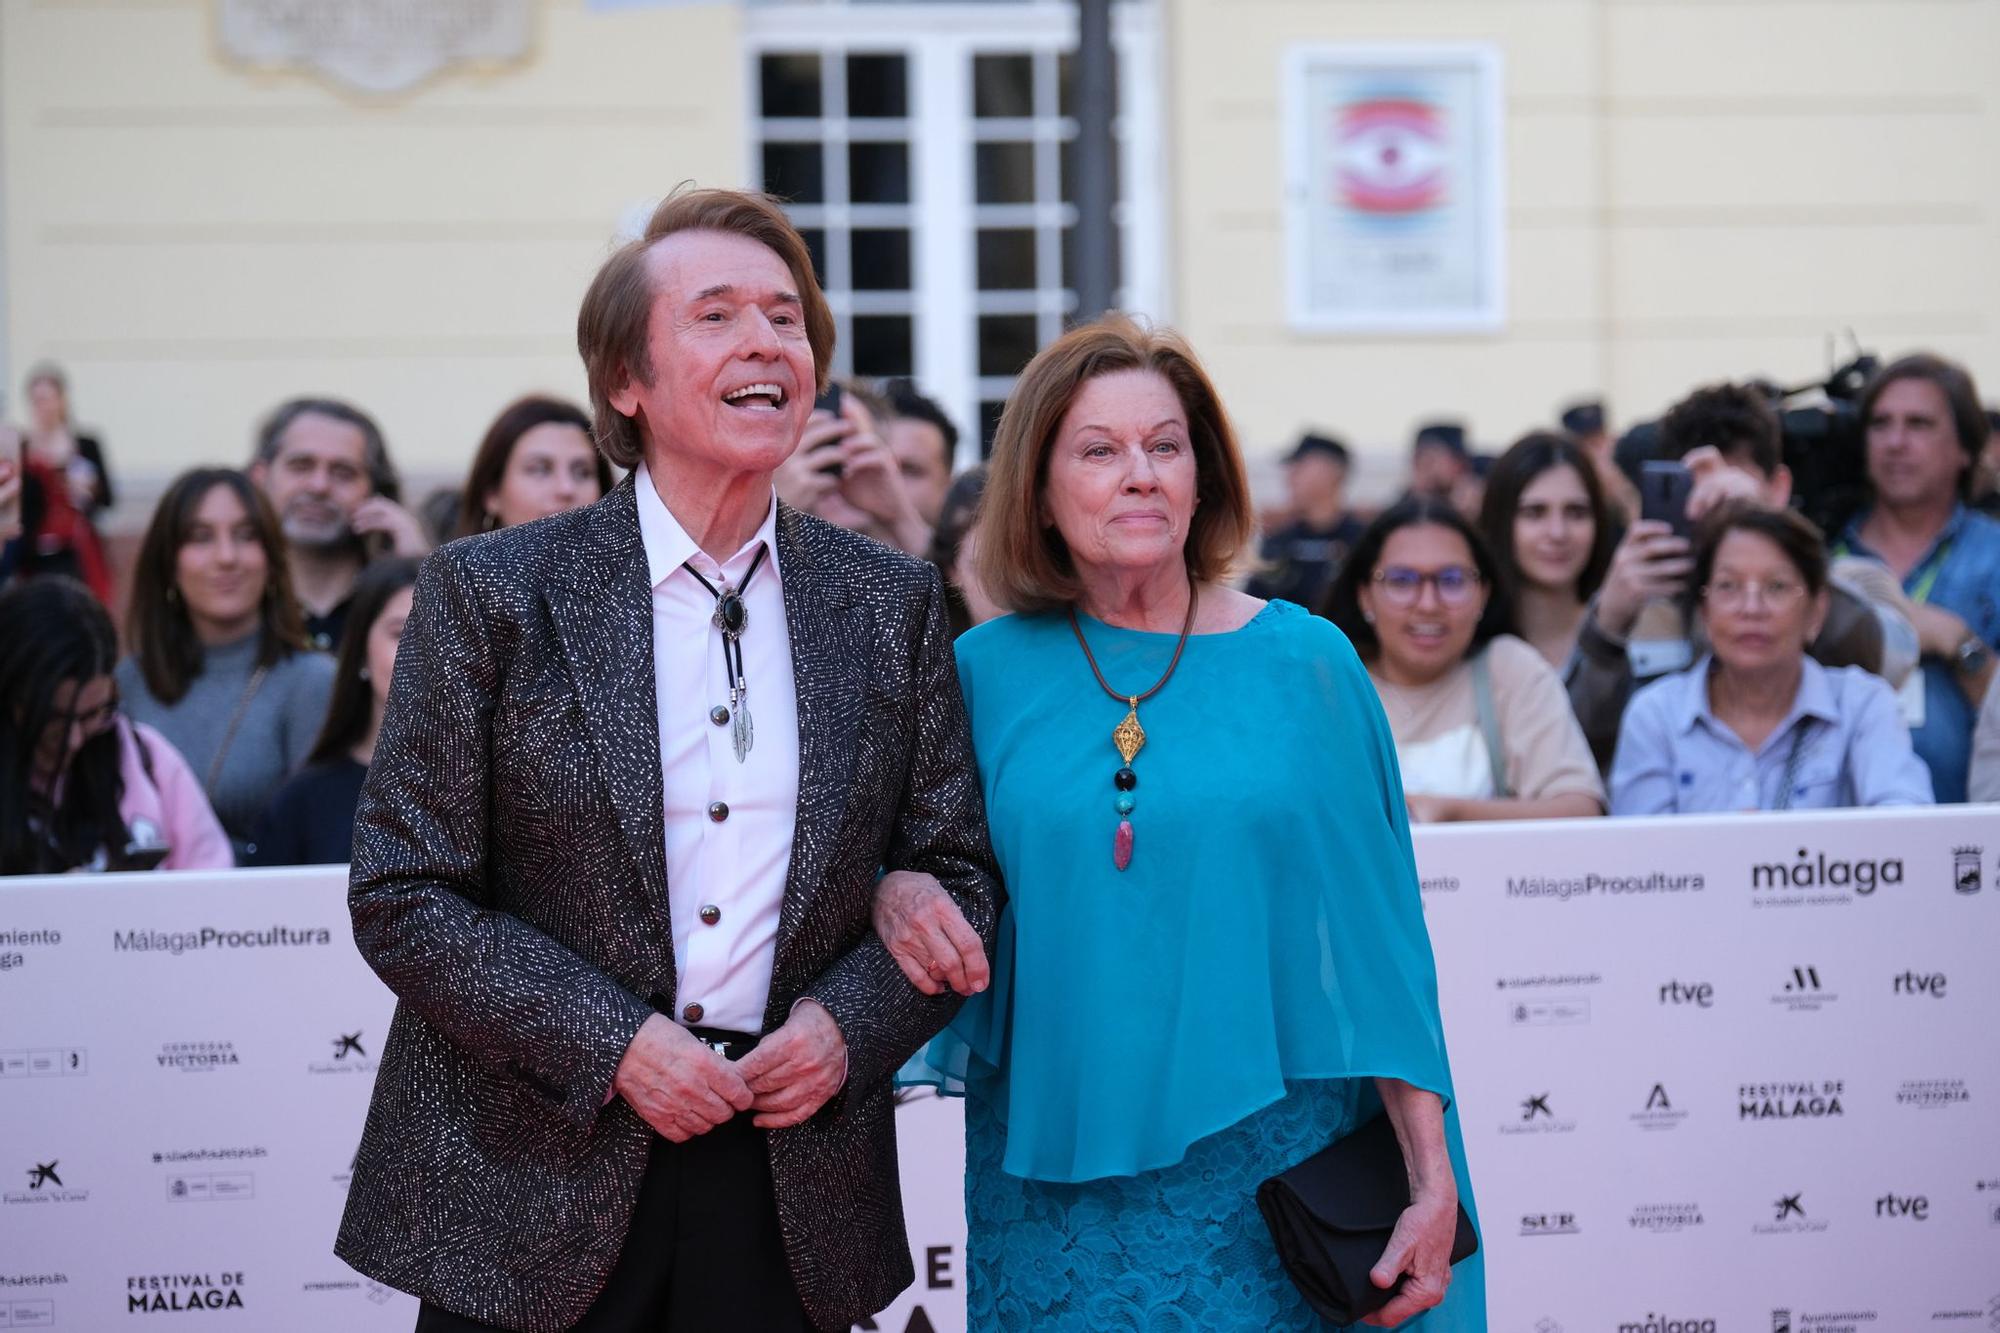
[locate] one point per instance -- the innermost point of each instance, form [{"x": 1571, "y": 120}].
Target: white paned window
[{"x": 928, "y": 154}]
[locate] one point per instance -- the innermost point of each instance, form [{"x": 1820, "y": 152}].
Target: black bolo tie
[{"x": 732, "y": 617}]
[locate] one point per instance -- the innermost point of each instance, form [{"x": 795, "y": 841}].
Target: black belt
[{"x": 728, "y": 1045}]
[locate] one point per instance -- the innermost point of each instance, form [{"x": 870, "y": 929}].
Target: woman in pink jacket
[{"x": 82, "y": 787}]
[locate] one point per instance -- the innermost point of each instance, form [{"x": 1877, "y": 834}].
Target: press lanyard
[
  {"x": 1926, "y": 578},
  {"x": 1792, "y": 758},
  {"x": 1921, "y": 593}
]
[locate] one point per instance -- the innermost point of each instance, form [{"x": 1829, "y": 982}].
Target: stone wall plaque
[{"x": 375, "y": 46}]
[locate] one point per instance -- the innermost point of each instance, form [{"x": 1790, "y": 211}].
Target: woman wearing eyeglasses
[
  {"x": 1758, "y": 724},
  {"x": 82, "y": 786},
  {"x": 1483, "y": 728}
]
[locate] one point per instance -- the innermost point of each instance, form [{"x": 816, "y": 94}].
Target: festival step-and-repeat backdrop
[{"x": 1715, "y": 1076}]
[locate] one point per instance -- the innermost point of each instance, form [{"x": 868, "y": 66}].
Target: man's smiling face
[{"x": 733, "y": 376}]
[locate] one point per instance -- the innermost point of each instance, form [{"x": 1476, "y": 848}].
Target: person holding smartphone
[
  {"x": 98, "y": 790},
  {"x": 846, "y": 473},
  {"x": 1721, "y": 443},
  {"x": 325, "y": 467}
]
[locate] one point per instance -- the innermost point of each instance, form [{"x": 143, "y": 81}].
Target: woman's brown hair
[
  {"x": 157, "y": 627},
  {"x": 489, "y": 464},
  {"x": 352, "y": 703},
  {"x": 1022, "y": 561},
  {"x": 1787, "y": 529},
  {"x": 611, "y": 326}
]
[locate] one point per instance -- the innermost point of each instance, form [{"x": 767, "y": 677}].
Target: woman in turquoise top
[{"x": 1213, "y": 962}]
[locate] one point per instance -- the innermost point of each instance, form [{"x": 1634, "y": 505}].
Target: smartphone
[
  {"x": 144, "y": 858},
  {"x": 829, "y": 402},
  {"x": 1663, "y": 494}
]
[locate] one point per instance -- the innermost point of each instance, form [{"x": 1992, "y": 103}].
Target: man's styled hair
[
  {"x": 1023, "y": 562},
  {"x": 1961, "y": 396},
  {"x": 382, "y": 475},
  {"x": 1735, "y": 420},
  {"x": 612, "y": 323},
  {"x": 907, "y": 404}
]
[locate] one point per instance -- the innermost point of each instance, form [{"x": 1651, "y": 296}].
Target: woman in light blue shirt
[{"x": 1758, "y": 724}]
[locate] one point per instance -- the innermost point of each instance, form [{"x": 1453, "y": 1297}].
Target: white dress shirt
[{"x": 729, "y": 825}]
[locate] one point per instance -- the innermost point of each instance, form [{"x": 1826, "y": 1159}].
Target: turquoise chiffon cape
[{"x": 1268, "y": 929}]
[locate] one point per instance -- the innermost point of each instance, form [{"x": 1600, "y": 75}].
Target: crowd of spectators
[{"x": 1543, "y": 642}]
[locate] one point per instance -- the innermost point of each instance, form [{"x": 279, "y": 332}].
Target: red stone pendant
[{"x": 1121, "y": 845}]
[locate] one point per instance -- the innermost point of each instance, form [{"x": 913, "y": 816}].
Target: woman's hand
[
  {"x": 1427, "y": 809},
  {"x": 1651, "y": 562},
  {"x": 1419, "y": 1249},
  {"x": 928, "y": 936}
]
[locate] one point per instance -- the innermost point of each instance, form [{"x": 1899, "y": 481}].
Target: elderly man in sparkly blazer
[{"x": 616, "y": 853}]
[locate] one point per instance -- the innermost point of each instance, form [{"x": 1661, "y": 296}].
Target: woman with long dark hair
[
  {"x": 310, "y": 821},
  {"x": 537, "y": 459},
  {"x": 1551, "y": 533},
  {"x": 81, "y": 786},
  {"x": 219, "y": 659},
  {"x": 1483, "y": 729}
]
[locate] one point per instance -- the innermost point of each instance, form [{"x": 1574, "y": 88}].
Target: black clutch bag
[{"x": 1331, "y": 1217}]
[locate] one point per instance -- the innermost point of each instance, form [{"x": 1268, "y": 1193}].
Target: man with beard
[{"x": 325, "y": 468}]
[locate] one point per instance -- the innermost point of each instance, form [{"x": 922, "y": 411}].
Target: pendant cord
[
  {"x": 1187, "y": 627},
  {"x": 732, "y": 665}
]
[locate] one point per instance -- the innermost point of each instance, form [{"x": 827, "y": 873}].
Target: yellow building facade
[{"x": 1692, "y": 191}]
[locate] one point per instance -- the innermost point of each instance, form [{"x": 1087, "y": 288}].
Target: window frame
[{"x": 939, "y": 41}]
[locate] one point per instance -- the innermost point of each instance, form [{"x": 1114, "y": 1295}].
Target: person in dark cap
[
  {"x": 1589, "y": 425},
  {"x": 1439, "y": 459},
  {"x": 1301, "y": 558}
]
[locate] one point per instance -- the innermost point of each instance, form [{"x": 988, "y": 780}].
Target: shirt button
[
  {"x": 692, "y": 1013},
  {"x": 718, "y": 812},
  {"x": 719, "y": 715},
  {"x": 710, "y": 915}
]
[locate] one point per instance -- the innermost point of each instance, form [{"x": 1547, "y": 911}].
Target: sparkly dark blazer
[{"x": 509, "y": 884}]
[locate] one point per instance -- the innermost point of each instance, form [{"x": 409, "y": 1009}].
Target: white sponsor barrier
[{"x": 1714, "y": 1075}]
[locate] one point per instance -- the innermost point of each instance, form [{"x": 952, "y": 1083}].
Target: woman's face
[
  {"x": 1554, "y": 529},
  {"x": 1758, "y": 612},
  {"x": 383, "y": 636},
  {"x": 78, "y": 711},
  {"x": 552, "y": 468},
  {"x": 220, "y": 569},
  {"x": 1121, "y": 475},
  {"x": 1424, "y": 598},
  {"x": 48, "y": 403}
]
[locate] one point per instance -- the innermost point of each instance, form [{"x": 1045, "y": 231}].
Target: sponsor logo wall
[
  {"x": 1728, "y": 1075},
  {"x": 1737, "y": 1074}
]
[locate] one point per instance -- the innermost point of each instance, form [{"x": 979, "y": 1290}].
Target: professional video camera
[{"x": 1825, "y": 445}]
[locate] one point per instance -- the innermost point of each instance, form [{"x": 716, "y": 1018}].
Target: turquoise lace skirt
[{"x": 1169, "y": 1251}]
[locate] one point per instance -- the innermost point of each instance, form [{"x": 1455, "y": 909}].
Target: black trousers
[{"x": 704, "y": 1251}]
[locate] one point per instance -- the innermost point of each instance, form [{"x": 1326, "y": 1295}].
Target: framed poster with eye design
[{"x": 1394, "y": 189}]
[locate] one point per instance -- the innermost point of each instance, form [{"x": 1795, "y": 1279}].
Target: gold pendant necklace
[{"x": 1128, "y": 735}]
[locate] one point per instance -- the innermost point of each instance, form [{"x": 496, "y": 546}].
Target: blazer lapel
[
  {"x": 603, "y": 615},
  {"x": 829, "y": 658}
]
